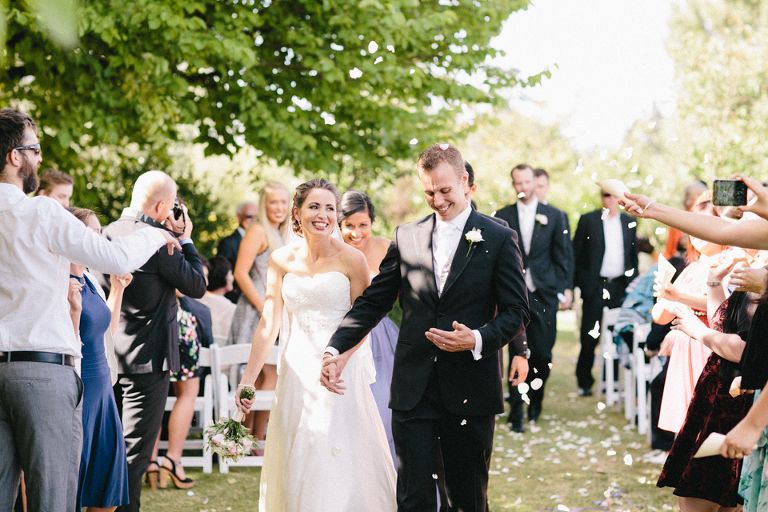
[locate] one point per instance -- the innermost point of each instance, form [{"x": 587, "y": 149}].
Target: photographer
[{"x": 146, "y": 341}]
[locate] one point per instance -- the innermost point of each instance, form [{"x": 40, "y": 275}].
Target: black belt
[{"x": 37, "y": 357}]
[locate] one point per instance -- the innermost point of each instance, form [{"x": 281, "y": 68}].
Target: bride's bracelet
[{"x": 646, "y": 206}]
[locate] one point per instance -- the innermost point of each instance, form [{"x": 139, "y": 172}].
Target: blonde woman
[{"x": 268, "y": 233}]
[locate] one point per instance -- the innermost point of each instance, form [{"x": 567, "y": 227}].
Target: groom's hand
[
  {"x": 330, "y": 374},
  {"x": 461, "y": 338}
]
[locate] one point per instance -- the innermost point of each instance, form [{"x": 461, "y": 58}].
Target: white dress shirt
[
  {"x": 446, "y": 236},
  {"x": 445, "y": 241},
  {"x": 526, "y": 215},
  {"x": 613, "y": 257},
  {"x": 38, "y": 240}
]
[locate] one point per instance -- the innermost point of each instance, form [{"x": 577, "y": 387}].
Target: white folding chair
[
  {"x": 205, "y": 405},
  {"x": 606, "y": 357},
  {"x": 235, "y": 355},
  {"x": 642, "y": 377}
]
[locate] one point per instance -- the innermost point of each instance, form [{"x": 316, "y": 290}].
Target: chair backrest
[
  {"x": 206, "y": 356},
  {"x": 237, "y": 354}
]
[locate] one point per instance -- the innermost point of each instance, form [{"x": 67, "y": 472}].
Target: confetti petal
[
  {"x": 632, "y": 224},
  {"x": 671, "y": 140},
  {"x": 626, "y": 153},
  {"x": 373, "y": 47},
  {"x": 595, "y": 332},
  {"x": 628, "y": 459},
  {"x": 606, "y": 294},
  {"x": 706, "y": 157},
  {"x": 391, "y": 48},
  {"x": 536, "y": 383},
  {"x": 652, "y": 125},
  {"x": 444, "y": 146},
  {"x": 634, "y": 184},
  {"x": 634, "y": 168},
  {"x": 660, "y": 231},
  {"x": 604, "y": 213},
  {"x": 378, "y": 59},
  {"x": 649, "y": 179},
  {"x": 413, "y": 141},
  {"x": 523, "y": 388},
  {"x": 355, "y": 73},
  {"x": 579, "y": 168}
]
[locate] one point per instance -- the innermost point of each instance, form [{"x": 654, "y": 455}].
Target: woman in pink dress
[{"x": 687, "y": 356}]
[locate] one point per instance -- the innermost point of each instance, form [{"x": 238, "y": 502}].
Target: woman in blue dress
[
  {"x": 356, "y": 218},
  {"x": 103, "y": 483}
]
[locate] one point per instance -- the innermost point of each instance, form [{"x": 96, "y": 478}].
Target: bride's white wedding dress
[{"x": 324, "y": 452}]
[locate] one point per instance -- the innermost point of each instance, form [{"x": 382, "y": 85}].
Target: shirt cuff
[
  {"x": 185, "y": 241},
  {"x": 332, "y": 350},
  {"x": 477, "y": 352}
]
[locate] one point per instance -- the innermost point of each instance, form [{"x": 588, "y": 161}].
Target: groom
[{"x": 462, "y": 302}]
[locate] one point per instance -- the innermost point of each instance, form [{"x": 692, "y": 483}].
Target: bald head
[{"x": 153, "y": 194}]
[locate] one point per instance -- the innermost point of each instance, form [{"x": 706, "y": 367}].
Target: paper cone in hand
[
  {"x": 735, "y": 387},
  {"x": 666, "y": 273},
  {"x": 615, "y": 187},
  {"x": 711, "y": 446}
]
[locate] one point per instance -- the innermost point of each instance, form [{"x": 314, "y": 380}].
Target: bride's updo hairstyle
[
  {"x": 302, "y": 191},
  {"x": 354, "y": 201}
]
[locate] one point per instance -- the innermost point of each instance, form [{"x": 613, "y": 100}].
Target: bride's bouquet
[{"x": 228, "y": 437}]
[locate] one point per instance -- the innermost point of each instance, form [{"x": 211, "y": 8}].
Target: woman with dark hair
[
  {"x": 220, "y": 281},
  {"x": 103, "y": 484},
  {"x": 356, "y": 216},
  {"x": 324, "y": 452}
]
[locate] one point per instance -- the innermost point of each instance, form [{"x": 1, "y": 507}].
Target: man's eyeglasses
[{"x": 33, "y": 147}]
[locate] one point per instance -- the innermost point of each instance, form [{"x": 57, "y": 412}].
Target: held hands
[
  {"x": 461, "y": 338},
  {"x": 330, "y": 373}
]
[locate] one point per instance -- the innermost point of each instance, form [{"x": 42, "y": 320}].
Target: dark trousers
[
  {"x": 541, "y": 333},
  {"x": 660, "y": 439},
  {"x": 591, "y": 312},
  {"x": 141, "y": 400},
  {"x": 465, "y": 444}
]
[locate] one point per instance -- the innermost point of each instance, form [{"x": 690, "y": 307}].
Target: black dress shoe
[
  {"x": 585, "y": 392},
  {"x": 517, "y": 427}
]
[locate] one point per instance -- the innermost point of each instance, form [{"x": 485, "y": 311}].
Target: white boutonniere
[
  {"x": 541, "y": 219},
  {"x": 473, "y": 237}
]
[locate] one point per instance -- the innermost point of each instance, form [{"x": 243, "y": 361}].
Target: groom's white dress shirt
[
  {"x": 446, "y": 236},
  {"x": 38, "y": 240}
]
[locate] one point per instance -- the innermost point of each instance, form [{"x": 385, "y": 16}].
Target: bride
[{"x": 324, "y": 451}]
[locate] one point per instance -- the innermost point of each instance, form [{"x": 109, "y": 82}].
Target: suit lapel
[
  {"x": 463, "y": 252},
  {"x": 422, "y": 241}
]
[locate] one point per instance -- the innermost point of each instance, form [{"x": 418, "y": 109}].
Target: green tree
[{"x": 341, "y": 87}]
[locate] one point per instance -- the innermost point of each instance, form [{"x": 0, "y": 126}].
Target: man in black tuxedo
[
  {"x": 541, "y": 229},
  {"x": 605, "y": 248},
  {"x": 147, "y": 338},
  {"x": 541, "y": 189},
  {"x": 230, "y": 245},
  {"x": 446, "y": 382}
]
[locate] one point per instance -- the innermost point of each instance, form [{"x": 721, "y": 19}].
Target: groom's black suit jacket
[{"x": 483, "y": 279}]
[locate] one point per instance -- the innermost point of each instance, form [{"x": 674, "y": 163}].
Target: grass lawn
[{"x": 580, "y": 456}]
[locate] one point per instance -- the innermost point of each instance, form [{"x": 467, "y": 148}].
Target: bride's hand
[
  {"x": 243, "y": 403},
  {"x": 330, "y": 374}
]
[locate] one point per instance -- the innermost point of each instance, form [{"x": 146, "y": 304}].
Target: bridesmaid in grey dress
[
  {"x": 356, "y": 218},
  {"x": 268, "y": 233}
]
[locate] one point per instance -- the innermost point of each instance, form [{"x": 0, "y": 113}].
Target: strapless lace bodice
[{"x": 317, "y": 303}]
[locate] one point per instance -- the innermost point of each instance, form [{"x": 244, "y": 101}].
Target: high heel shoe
[
  {"x": 151, "y": 477},
  {"x": 177, "y": 482}
]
